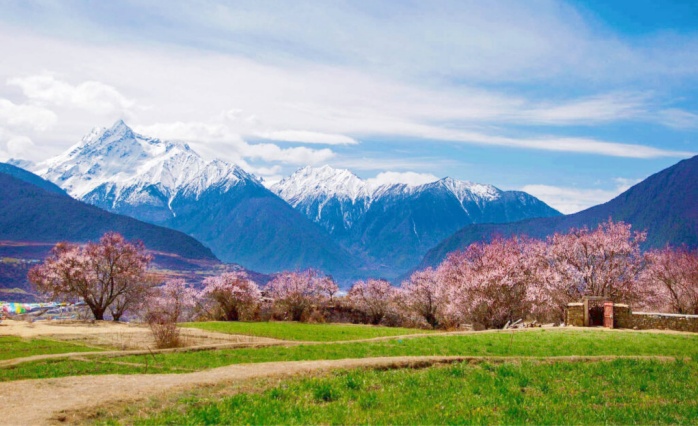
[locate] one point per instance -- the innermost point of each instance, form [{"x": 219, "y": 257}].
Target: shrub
[{"x": 166, "y": 306}]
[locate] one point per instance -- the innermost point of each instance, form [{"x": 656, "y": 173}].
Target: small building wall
[
  {"x": 623, "y": 317},
  {"x": 575, "y": 314},
  {"x": 659, "y": 321}
]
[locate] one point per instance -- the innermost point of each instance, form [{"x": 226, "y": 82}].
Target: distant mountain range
[
  {"x": 665, "y": 205},
  {"x": 319, "y": 217},
  {"x": 36, "y": 214},
  {"x": 167, "y": 183},
  {"x": 392, "y": 226}
]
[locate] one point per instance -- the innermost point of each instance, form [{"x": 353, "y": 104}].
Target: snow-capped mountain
[
  {"x": 122, "y": 171},
  {"x": 333, "y": 198},
  {"x": 337, "y": 199},
  {"x": 167, "y": 183},
  {"x": 322, "y": 217},
  {"x": 319, "y": 192},
  {"x": 393, "y": 225}
]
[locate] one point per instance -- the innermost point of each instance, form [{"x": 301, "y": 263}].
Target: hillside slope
[
  {"x": 665, "y": 205},
  {"x": 30, "y": 213},
  {"x": 31, "y": 178}
]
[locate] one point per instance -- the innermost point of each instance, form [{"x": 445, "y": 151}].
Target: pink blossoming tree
[
  {"x": 603, "y": 262},
  {"x": 174, "y": 300},
  {"x": 489, "y": 283},
  {"x": 426, "y": 297},
  {"x": 109, "y": 274},
  {"x": 295, "y": 294},
  {"x": 374, "y": 298},
  {"x": 673, "y": 274},
  {"x": 233, "y": 295}
]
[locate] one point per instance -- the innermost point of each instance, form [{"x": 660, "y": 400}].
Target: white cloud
[
  {"x": 298, "y": 155},
  {"x": 553, "y": 143},
  {"x": 623, "y": 184},
  {"x": 232, "y": 146},
  {"x": 25, "y": 116},
  {"x": 507, "y": 40},
  {"x": 190, "y": 131},
  {"x": 304, "y": 136},
  {"x": 678, "y": 118},
  {"x": 416, "y": 75},
  {"x": 13, "y": 145},
  {"x": 571, "y": 200},
  {"x": 19, "y": 146},
  {"x": 586, "y": 111},
  {"x": 409, "y": 178},
  {"x": 89, "y": 95}
]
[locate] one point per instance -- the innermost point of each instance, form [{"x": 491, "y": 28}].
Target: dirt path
[
  {"x": 239, "y": 341},
  {"x": 231, "y": 341},
  {"x": 45, "y": 401},
  {"x": 119, "y": 335}
]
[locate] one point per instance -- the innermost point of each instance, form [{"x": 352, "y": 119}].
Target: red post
[{"x": 608, "y": 314}]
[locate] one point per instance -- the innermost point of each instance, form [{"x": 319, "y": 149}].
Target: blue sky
[{"x": 571, "y": 101}]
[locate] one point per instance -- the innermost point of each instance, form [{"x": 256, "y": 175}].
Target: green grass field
[
  {"x": 518, "y": 391},
  {"x": 15, "y": 347},
  {"x": 540, "y": 343},
  {"x": 304, "y": 332},
  {"x": 616, "y": 392}
]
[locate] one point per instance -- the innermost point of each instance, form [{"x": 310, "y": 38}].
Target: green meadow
[{"x": 517, "y": 377}]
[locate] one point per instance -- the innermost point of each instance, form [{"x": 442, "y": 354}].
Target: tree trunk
[
  {"x": 432, "y": 321},
  {"x": 98, "y": 313},
  {"x": 297, "y": 313},
  {"x": 232, "y": 315}
]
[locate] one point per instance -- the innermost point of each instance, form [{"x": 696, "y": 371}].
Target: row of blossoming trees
[{"x": 487, "y": 284}]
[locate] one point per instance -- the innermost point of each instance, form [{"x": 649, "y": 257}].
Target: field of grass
[
  {"x": 620, "y": 392},
  {"x": 304, "y": 332},
  {"x": 540, "y": 343},
  {"x": 15, "y": 347}
]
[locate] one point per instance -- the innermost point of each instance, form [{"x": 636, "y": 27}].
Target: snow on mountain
[
  {"x": 383, "y": 228},
  {"x": 324, "y": 182},
  {"x": 333, "y": 198},
  {"x": 391, "y": 226},
  {"x": 311, "y": 189},
  {"x": 469, "y": 191},
  {"x": 122, "y": 166},
  {"x": 167, "y": 183}
]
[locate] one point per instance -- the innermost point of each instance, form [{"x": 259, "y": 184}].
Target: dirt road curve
[{"x": 42, "y": 401}]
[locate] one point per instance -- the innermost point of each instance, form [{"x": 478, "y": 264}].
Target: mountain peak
[
  {"x": 119, "y": 124},
  {"x": 121, "y": 162},
  {"x": 321, "y": 182},
  {"x": 464, "y": 190},
  {"x": 119, "y": 130}
]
